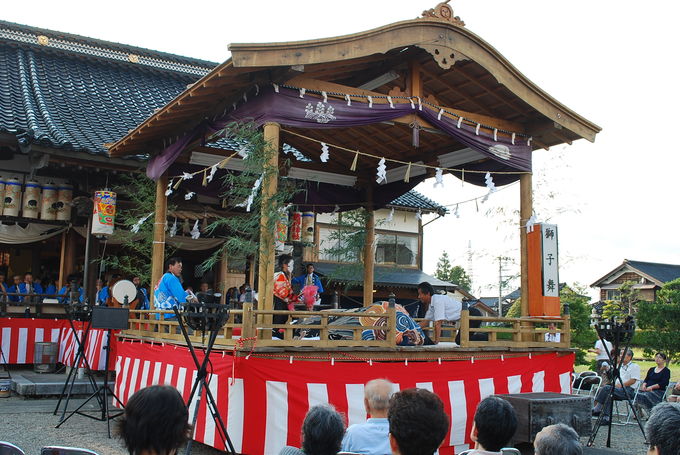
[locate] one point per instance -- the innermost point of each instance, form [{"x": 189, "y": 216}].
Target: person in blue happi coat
[
  {"x": 142, "y": 295},
  {"x": 169, "y": 292}
]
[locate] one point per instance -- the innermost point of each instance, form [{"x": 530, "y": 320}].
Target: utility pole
[
  {"x": 469, "y": 260},
  {"x": 501, "y": 264}
]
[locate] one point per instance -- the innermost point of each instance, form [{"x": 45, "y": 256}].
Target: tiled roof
[
  {"x": 77, "y": 93},
  {"x": 662, "y": 272},
  {"x": 415, "y": 200},
  {"x": 386, "y": 276}
]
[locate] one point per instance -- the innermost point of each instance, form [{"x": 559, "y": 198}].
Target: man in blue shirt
[
  {"x": 29, "y": 287},
  {"x": 66, "y": 290},
  {"x": 15, "y": 289},
  {"x": 142, "y": 296},
  {"x": 169, "y": 292},
  {"x": 372, "y": 437}
]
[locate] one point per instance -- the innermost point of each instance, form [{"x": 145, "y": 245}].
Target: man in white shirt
[
  {"x": 601, "y": 351},
  {"x": 372, "y": 437},
  {"x": 440, "y": 308},
  {"x": 630, "y": 377}
]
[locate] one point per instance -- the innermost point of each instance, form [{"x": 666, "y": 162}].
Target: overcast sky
[{"x": 610, "y": 61}]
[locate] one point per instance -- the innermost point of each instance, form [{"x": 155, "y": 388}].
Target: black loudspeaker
[{"x": 110, "y": 318}]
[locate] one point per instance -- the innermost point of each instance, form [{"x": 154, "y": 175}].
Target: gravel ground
[{"x": 29, "y": 423}]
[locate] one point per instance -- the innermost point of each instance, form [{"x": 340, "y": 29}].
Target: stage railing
[{"x": 249, "y": 327}]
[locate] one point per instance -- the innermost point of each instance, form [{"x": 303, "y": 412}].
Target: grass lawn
[{"x": 645, "y": 364}]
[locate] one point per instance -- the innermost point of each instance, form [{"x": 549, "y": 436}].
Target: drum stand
[
  {"x": 616, "y": 364},
  {"x": 201, "y": 383},
  {"x": 79, "y": 359}
]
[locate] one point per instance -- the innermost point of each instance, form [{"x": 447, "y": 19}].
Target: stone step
[{"x": 28, "y": 383}]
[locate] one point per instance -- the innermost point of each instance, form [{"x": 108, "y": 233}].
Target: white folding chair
[
  {"x": 629, "y": 415},
  {"x": 668, "y": 391},
  {"x": 7, "y": 448},
  {"x": 59, "y": 450}
]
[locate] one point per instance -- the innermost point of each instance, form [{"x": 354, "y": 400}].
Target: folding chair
[
  {"x": 668, "y": 391},
  {"x": 504, "y": 450},
  {"x": 58, "y": 450},
  {"x": 594, "y": 381},
  {"x": 7, "y": 448},
  {"x": 629, "y": 416}
]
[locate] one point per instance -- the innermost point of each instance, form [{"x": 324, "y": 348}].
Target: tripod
[
  {"x": 616, "y": 333},
  {"x": 109, "y": 319},
  {"x": 200, "y": 317},
  {"x": 82, "y": 313}
]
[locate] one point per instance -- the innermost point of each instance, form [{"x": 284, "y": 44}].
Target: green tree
[
  {"x": 453, "y": 274},
  {"x": 136, "y": 261},
  {"x": 661, "y": 322},
  {"x": 625, "y": 305}
]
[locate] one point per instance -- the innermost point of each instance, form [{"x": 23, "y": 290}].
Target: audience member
[
  {"x": 601, "y": 351},
  {"x": 552, "y": 336},
  {"x": 155, "y": 421},
  {"x": 494, "y": 425},
  {"x": 654, "y": 386},
  {"x": 3, "y": 287},
  {"x": 630, "y": 375},
  {"x": 73, "y": 282},
  {"x": 322, "y": 432},
  {"x": 417, "y": 421},
  {"x": 440, "y": 308},
  {"x": 558, "y": 439},
  {"x": 15, "y": 289},
  {"x": 102, "y": 293},
  {"x": 372, "y": 437},
  {"x": 662, "y": 429},
  {"x": 675, "y": 393}
]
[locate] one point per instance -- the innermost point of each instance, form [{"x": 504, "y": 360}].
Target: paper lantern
[
  {"x": 2, "y": 192},
  {"x": 64, "y": 199},
  {"x": 12, "y": 201},
  {"x": 282, "y": 228},
  {"x": 296, "y": 227},
  {"x": 31, "y": 206},
  {"x": 49, "y": 200},
  {"x": 308, "y": 227},
  {"x": 104, "y": 212}
]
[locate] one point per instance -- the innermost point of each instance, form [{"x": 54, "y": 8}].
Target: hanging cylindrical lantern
[
  {"x": 104, "y": 212},
  {"x": 296, "y": 227},
  {"x": 281, "y": 230},
  {"x": 48, "y": 203},
  {"x": 31, "y": 206},
  {"x": 12, "y": 201},
  {"x": 308, "y": 227},
  {"x": 64, "y": 199},
  {"x": 2, "y": 192}
]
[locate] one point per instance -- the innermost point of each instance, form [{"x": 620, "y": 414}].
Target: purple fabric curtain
[{"x": 289, "y": 109}]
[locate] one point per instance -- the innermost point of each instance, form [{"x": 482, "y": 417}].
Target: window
[
  {"x": 331, "y": 248},
  {"x": 613, "y": 294},
  {"x": 396, "y": 249}
]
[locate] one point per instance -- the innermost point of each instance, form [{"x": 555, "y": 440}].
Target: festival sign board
[{"x": 544, "y": 282}]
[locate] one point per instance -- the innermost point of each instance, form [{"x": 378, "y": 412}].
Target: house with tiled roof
[
  {"x": 648, "y": 278},
  {"x": 63, "y": 99}
]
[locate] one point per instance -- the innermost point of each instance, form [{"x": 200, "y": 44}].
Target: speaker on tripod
[{"x": 109, "y": 319}]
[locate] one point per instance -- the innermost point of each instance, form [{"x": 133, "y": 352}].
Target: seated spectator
[
  {"x": 474, "y": 336},
  {"x": 155, "y": 421},
  {"x": 73, "y": 283},
  {"x": 558, "y": 439},
  {"x": 15, "y": 289},
  {"x": 494, "y": 425},
  {"x": 630, "y": 375},
  {"x": 142, "y": 297},
  {"x": 3, "y": 286},
  {"x": 551, "y": 335},
  {"x": 102, "y": 293},
  {"x": 49, "y": 286},
  {"x": 418, "y": 423},
  {"x": 662, "y": 430},
  {"x": 371, "y": 437},
  {"x": 322, "y": 432},
  {"x": 654, "y": 386}
]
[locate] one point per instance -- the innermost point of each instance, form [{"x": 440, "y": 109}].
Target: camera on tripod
[
  {"x": 616, "y": 332},
  {"x": 207, "y": 313}
]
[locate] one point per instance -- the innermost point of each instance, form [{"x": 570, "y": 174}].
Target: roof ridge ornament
[{"x": 445, "y": 12}]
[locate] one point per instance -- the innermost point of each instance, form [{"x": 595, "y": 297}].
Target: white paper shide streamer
[
  {"x": 213, "y": 169},
  {"x": 135, "y": 227},
  {"x": 195, "y": 232},
  {"x": 419, "y": 215},
  {"x": 530, "y": 223},
  {"x": 381, "y": 171},
  {"x": 249, "y": 201},
  {"x": 325, "y": 153},
  {"x": 189, "y": 195},
  {"x": 490, "y": 185},
  {"x": 439, "y": 178},
  {"x": 187, "y": 176},
  {"x": 168, "y": 190},
  {"x": 173, "y": 228},
  {"x": 390, "y": 216}
]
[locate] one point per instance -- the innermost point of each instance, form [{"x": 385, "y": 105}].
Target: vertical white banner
[{"x": 551, "y": 279}]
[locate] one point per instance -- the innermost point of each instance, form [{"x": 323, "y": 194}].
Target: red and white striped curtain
[{"x": 263, "y": 401}]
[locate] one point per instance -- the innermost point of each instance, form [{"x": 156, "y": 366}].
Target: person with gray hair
[
  {"x": 662, "y": 429},
  {"x": 372, "y": 437},
  {"x": 558, "y": 439},
  {"x": 322, "y": 432},
  {"x": 630, "y": 376}
]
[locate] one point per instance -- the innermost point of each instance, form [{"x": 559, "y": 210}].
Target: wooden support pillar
[
  {"x": 67, "y": 259},
  {"x": 525, "y": 210},
  {"x": 222, "y": 279},
  {"x": 369, "y": 252},
  {"x": 265, "y": 280},
  {"x": 158, "y": 248}
]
